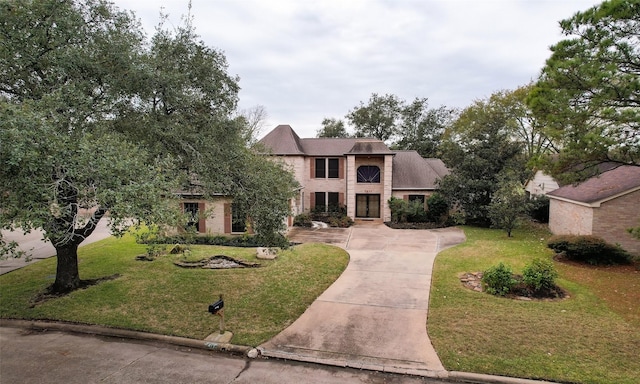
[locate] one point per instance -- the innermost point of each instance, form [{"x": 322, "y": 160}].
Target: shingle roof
[
  {"x": 369, "y": 147},
  {"x": 283, "y": 141},
  {"x": 327, "y": 146},
  {"x": 412, "y": 171},
  {"x": 605, "y": 186}
]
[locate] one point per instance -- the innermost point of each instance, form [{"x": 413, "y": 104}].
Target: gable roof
[
  {"x": 606, "y": 186},
  {"x": 412, "y": 171}
]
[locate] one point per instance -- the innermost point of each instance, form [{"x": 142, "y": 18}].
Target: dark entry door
[{"x": 368, "y": 205}]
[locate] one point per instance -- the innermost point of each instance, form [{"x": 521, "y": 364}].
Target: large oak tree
[{"x": 96, "y": 118}]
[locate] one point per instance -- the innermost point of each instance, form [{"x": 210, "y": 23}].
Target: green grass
[
  {"x": 159, "y": 297},
  {"x": 580, "y": 339}
]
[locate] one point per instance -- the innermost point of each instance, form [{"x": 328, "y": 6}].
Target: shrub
[
  {"x": 398, "y": 209},
  {"x": 415, "y": 212},
  {"x": 437, "y": 208},
  {"x": 302, "y": 220},
  {"x": 249, "y": 241},
  {"x": 538, "y": 208},
  {"x": 498, "y": 280},
  {"x": 340, "y": 222},
  {"x": 589, "y": 249},
  {"x": 540, "y": 275}
]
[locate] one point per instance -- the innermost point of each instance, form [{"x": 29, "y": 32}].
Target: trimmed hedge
[
  {"x": 247, "y": 241},
  {"x": 302, "y": 220},
  {"x": 589, "y": 249}
]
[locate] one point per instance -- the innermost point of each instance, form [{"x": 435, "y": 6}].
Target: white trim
[{"x": 595, "y": 204}]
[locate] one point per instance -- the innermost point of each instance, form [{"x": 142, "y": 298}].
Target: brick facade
[
  {"x": 609, "y": 219},
  {"x": 612, "y": 219},
  {"x": 566, "y": 218}
]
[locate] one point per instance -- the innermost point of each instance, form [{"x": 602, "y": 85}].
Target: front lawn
[
  {"x": 591, "y": 337},
  {"x": 157, "y": 296}
]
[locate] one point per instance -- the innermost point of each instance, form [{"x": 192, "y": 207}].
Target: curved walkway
[{"x": 374, "y": 316}]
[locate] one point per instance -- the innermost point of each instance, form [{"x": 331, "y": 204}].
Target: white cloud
[{"x": 305, "y": 60}]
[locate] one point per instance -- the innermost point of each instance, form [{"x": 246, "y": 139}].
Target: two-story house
[{"x": 359, "y": 173}]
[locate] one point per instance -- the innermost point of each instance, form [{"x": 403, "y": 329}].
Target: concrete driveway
[{"x": 374, "y": 316}]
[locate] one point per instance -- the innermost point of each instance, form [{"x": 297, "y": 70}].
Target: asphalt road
[{"x": 28, "y": 356}]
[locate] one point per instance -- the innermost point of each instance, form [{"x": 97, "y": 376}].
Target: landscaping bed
[{"x": 590, "y": 336}]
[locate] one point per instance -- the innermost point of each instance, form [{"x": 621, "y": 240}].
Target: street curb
[
  {"x": 451, "y": 376},
  {"x": 478, "y": 378},
  {"x": 123, "y": 333}
]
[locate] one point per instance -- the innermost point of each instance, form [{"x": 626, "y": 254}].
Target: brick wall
[
  {"x": 569, "y": 219},
  {"x": 614, "y": 217}
]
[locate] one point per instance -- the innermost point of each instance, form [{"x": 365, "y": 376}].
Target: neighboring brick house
[
  {"x": 605, "y": 205},
  {"x": 359, "y": 173}
]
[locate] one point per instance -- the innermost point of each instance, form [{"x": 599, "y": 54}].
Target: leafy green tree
[
  {"x": 478, "y": 148},
  {"x": 421, "y": 128},
  {"x": 588, "y": 94},
  {"x": 97, "y": 119},
  {"x": 508, "y": 204},
  {"x": 332, "y": 128},
  {"x": 526, "y": 128},
  {"x": 378, "y": 119}
]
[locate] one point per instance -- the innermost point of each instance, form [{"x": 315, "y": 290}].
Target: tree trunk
[{"x": 67, "y": 277}]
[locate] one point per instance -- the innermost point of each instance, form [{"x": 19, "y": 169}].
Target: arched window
[{"x": 368, "y": 174}]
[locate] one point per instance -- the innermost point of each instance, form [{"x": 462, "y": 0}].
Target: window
[
  {"x": 326, "y": 201},
  {"x": 327, "y": 168},
  {"x": 419, "y": 198},
  {"x": 333, "y": 201},
  {"x": 334, "y": 171},
  {"x": 320, "y": 168},
  {"x": 191, "y": 209},
  {"x": 238, "y": 219},
  {"x": 368, "y": 174},
  {"x": 321, "y": 203}
]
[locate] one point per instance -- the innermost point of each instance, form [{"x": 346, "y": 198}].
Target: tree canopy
[
  {"x": 588, "y": 93},
  {"x": 332, "y": 127},
  {"x": 378, "y": 119},
  {"x": 421, "y": 128},
  {"x": 478, "y": 149},
  {"x": 98, "y": 119},
  {"x": 404, "y": 125}
]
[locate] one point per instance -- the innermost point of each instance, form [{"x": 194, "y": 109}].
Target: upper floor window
[
  {"x": 321, "y": 168},
  {"x": 327, "y": 168},
  {"x": 334, "y": 172},
  {"x": 368, "y": 174}
]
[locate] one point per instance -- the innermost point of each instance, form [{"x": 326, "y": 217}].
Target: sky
[{"x": 306, "y": 60}]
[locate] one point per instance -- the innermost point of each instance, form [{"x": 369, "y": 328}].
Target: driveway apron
[{"x": 374, "y": 316}]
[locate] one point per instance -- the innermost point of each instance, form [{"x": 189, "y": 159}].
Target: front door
[{"x": 368, "y": 206}]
